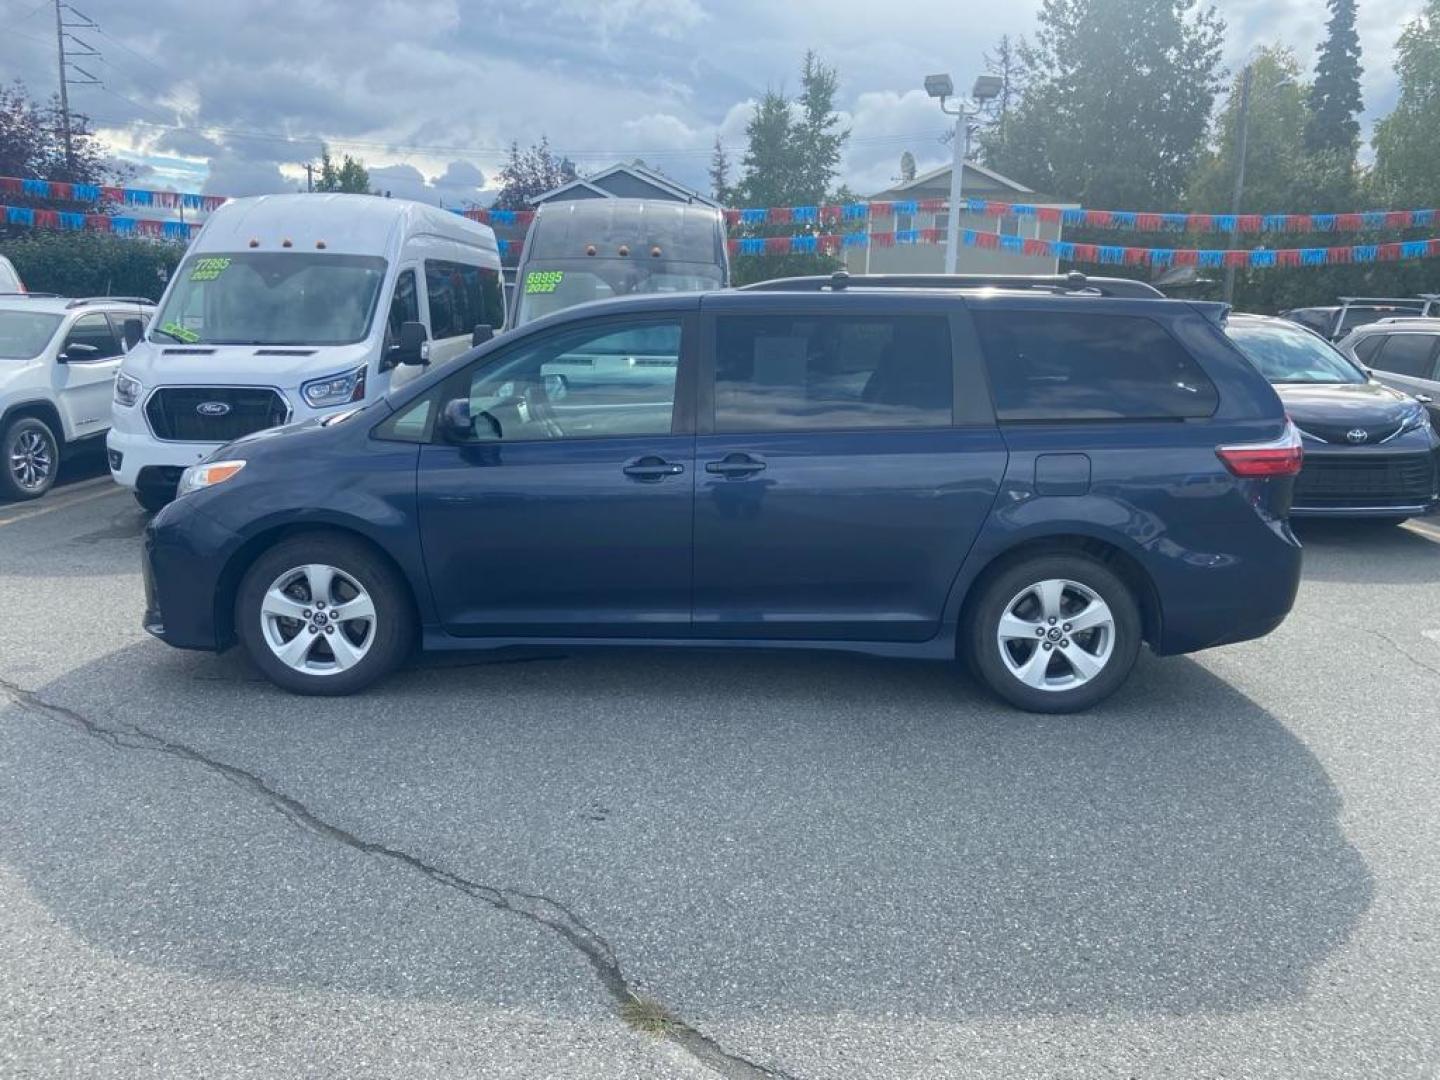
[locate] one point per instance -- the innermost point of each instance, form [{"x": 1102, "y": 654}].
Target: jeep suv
[
  {"x": 58, "y": 360},
  {"x": 1034, "y": 479}
]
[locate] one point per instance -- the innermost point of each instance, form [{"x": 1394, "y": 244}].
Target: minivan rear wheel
[
  {"x": 1055, "y": 633},
  {"x": 324, "y": 615}
]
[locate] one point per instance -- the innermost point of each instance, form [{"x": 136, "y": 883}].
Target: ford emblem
[
  {"x": 1357, "y": 435},
  {"x": 213, "y": 408}
]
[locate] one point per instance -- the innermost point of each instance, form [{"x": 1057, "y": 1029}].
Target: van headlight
[
  {"x": 335, "y": 389},
  {"x": 206, "y": 475},
  {"x": 127, "y": 390}
]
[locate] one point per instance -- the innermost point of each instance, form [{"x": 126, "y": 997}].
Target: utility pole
[
  {"x": 309, "y": 177},
  {"x": 1242, "y": 139},
  {"x": 65, "y": 64},
  {"x": 64, "y": 92}
]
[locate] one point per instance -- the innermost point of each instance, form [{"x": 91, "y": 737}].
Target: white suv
[{"x": 58, "y": 360}]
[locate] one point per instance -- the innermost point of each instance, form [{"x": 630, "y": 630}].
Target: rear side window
[
  {"x": 1407, "y": 354},
  {"x": 1049, "y": 365},
  {"x": 829, "y": 372},
  {"x": 1366, "y": 346},
  {"x": 461, "y": 297}
]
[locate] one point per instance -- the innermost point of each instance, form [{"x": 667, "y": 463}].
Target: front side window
[
  {"x": 95, "y": 338},
  {"x": 24, "y": 334},
  {"x": 1408, "y": 354},
  {"x": 461, "y": 297},
  {"x": 819, "y": 372},
  {"x": 1051, "y": 365},
  {"x": 598, "y": 382},
  {"x": 271, "y": 298},
  {"x": 404, "y": 307},
  {"x": 1366, "y": 346},
  {"x": 1287, "y": 355}
]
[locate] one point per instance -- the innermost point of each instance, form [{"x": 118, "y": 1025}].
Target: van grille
[
  {"x": 1336, "y": 482},
  {"x": 174, "y": 412}
]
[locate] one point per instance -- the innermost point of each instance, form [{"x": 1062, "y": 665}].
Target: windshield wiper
[{"x": 168, "y": 334}]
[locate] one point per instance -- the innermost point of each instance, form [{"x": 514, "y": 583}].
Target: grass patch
[{"x": 648, "y": 1015}]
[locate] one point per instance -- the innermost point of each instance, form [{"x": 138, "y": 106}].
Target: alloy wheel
[
  {"x": 317, "y": 619},
  {"x": 1056, "y": 635},
  {"x": 32, "y": 460}
]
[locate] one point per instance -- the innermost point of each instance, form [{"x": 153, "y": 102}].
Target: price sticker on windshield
[
  {"x": 543, "y": 281},
  {"x": 209, "y": 269}
]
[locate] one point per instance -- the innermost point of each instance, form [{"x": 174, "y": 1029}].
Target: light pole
[{"x": 942, "y": 87}]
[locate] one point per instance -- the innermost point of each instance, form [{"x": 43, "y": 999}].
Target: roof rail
[
  {"x": 82, "y": 301},
  {"x": 1055, "y": 283},
  {"x": 33, "y": 295},
  {"x": 1405, "y": 301}
]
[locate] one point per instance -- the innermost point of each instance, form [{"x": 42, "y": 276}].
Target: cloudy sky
[{"x": 234, "y": 97}]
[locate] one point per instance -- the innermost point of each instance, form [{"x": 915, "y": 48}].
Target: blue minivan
[{"x": 1033, "y": 478}]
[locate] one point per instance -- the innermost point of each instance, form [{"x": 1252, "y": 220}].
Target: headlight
[
  {"x": 335, "y": 389},
  {"x": 207, "y": 475},
  {"x": 1417, "y": 420},
  {"x": 127, "y": 390}
]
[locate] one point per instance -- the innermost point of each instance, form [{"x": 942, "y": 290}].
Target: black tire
[
  {"x": 997, "y": 593},
  {"x": 153, "y": 500},
  {"x": 391, "y": 634},
  {"x": 29, "y": 459}
]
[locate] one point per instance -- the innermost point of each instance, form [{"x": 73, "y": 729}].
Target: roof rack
[
  {"x": 1054, "y": 283},
  {"x": 33, "y": 295},
  {"x": 1404, "y": 301},
  {"x": 82, "y": 301}
]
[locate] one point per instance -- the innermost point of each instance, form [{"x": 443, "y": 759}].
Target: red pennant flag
[
  {"x": 47, "y": 219},
  {"x": 779, "y": 215},
  {"x": 1187, "y": 257},
  {"x": 1389, "y": 252},
  {"x": 733, "y": 246},
  {"x": 830, "y": 243},
  {"x": 777, "y": 245},
  {"x": 59, "y": 189},
  {"x": 732, "y": 217},
  {"x": 1250, "y": 223},
  {"x": 99, "y": 223},
  {"x": 1237, "y": 258},
  {"x": 1397, "y": 219},
  {"x": 881, "y": 209},
  {"x": 882, "y": 239},
  {"x": 1037, "y": 247},
  {"x": 1148, "y": 222},
  {"x": 1099, "y": 219},
  {"x": 1087, "y": 253},
  {"x": 1201, "y": 223},
  {"x": 1051, "y": 215},
  {"x": 1287, "y": 257},
  {"x": 932, "y": 206},
  {"x": 831, "y": 214},
  {"x": 1349, "y": 222}
]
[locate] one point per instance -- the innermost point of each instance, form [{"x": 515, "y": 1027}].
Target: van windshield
[
  {"x": 24, "y": 334},
  {"x": 547, "y": 289},
  {"x": 271, "y": 298}
]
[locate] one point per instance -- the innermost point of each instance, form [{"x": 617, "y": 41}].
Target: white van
[{"x": 292, "y": 306}]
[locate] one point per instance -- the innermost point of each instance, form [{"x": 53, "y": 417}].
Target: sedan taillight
[{"x": 1280, "y": 457}]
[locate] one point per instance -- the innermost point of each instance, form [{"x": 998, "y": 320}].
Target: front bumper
[
  {"x": 1371, "y": 481},
  {"x": 131, "y": 453},
  {"x": 185, "y": 557}
]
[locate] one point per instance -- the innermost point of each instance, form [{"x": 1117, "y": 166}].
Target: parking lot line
[{"x": 88, "y": 491}]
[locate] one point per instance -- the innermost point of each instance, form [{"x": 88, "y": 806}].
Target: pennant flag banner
[
  {"x": 63, "y": 192},
  {"x": 499, "y": 217},
  {"x": 1255, "y": 258},
  {"x": 35, "y": 218},
  {"x": 1078, "y": 217}
]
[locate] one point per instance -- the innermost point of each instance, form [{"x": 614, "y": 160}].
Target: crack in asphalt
[
  {"x": 1424, "y": 665},
  {"x": 534, "y": 907}
]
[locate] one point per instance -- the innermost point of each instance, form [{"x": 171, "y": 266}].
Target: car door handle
[
  {"x": 736, "y": 465},
  {"x": 651, "y": 469}
]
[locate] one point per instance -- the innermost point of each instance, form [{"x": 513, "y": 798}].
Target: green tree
[
  {"x": 720, "y": 173},
  {"x": 91, "y": 264},
  {"x": 1005, "y": 62},
  {"x": 1407, "y": 142},
  {"x": 1118, "y": 103},
  {"x": 531, "y": 172},
  {"x": 350, "y": 175},
  {"x": 1335, "y": 95}
]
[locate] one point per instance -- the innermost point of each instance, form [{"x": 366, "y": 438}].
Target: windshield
[
  {"x": 271, "y": 298},
  {"x": 24, "y": 334},
  {"x": 1288, "y": 355},
  {"x": 548, "y": 289}
]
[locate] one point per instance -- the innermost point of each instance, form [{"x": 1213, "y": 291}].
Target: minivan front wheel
[
  {"x": 1056, "y": 633},
  {"x": 323, "y": 615}
]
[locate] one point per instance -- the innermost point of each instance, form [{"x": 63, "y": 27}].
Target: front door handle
[
  {"x": 736, "y": 465},
  {"x": 651, "y": 469}
]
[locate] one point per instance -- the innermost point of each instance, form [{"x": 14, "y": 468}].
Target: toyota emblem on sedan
[
  {"x": 1357, "y": 435},
  {"x": 218, "y": 408}
]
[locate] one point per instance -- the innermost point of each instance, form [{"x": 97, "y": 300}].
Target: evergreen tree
[
  {"x": 1006, "y": 63},
  {"x": 1407, "y": 142},
  {"x": 350, "y": 175},
  {"x": 907, "y": 167},
  {"x": 1118, "y": 103},
  {"x": 720, "y": 173},
  {"x": 818, "y": 133},
  {"x": 771, "y": 154},
  {"x": 532, "y": 172},
  {"x": 1335, "y": 95}
]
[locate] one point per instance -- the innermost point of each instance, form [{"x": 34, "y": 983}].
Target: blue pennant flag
[
  {"x": 1365, "y": 252},
  {"x": 1323, "y": 222},
  {"x": 1063, "y": 249},
  {"x": 1262, "y": 258},
  {"x": 802, "y": 245},
  {"x": 752, "y": 217},
  {"x": 1012, "y": 243},
  {"x": 1413, "y": 249},
  {"x": 854, "y": 239},
  {"x": 1373, "y": 219},
  {"x": 19, "y": 215},
  {"x": 907, "y": 206},
  {"x": 1312, "y": 256},
  {"x": 69, "y": 220},
  {"x": 1073, "y": 216},
  {"x": 806, "y": 213},
  {"x": 1421, "y": 218},
  {"x": 1175, "y": 221},
  {"x": 1211, "y": 258},
  {"x": 1276, "y": 222},
  {"x": 907, "y": 236},
  {"x": 86, "y": 192},
  {"x": 40, "y": 189},
  {"x": 855, "y": 211},
  {"x": 754, "y": 245}
]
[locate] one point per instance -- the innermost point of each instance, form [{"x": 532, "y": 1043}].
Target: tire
[
  {"x": 1083, "y": 666},
  {"x": 274, "y": 625},
  {"x": 152, "y": 501},
  {"x": 29, "y": 459}
]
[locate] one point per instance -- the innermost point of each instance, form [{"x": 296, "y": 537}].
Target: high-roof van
[
  {"x": 293, "y": 306},
  {"x": 596, "y": 249}
]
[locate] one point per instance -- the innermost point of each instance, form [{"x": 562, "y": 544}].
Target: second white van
[{"x": 292, "y": 306}]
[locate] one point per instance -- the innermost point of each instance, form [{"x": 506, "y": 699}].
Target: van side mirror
[
  {"x": 411, "y": 345},
  {"x": 456, "y": 423},
  {"x": 482, "y": 333},
  {"x": 78, "y": 352},
  {"x": 133, "y": 330}
]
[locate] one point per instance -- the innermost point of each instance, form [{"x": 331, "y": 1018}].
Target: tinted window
[
  {"x": 1288, "y": 354},
  {"x": 95, "y": 331},
  {"x": 796, "y": 373},
  {"x": 1048, "y": 365},
  {"x": 461, "y": 297},
  {"x": 1366, "y": 346},
  {"x": 1364, "y": 316},
  {"x": 598, "y": 382},
  {"x": 24, "y": 334},
  {"x": 404, "y": 306},
  {"x": 1318, "y": 319},
  {"x": 1407, "y": 354}
]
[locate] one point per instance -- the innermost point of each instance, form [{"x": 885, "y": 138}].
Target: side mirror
[
  {"x": 482, "y": 333},
  {"x": 133, "y": 330},
  {"x": 411, "y": 347},
  {"x": 78, "y": 351},
  {"x": 456, "y": 423}
]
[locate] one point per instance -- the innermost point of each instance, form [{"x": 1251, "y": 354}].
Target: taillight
[{"x": 1281, "y": 457}]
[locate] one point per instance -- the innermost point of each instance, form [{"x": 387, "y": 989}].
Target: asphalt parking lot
[{"x": 821, "y": 866}]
